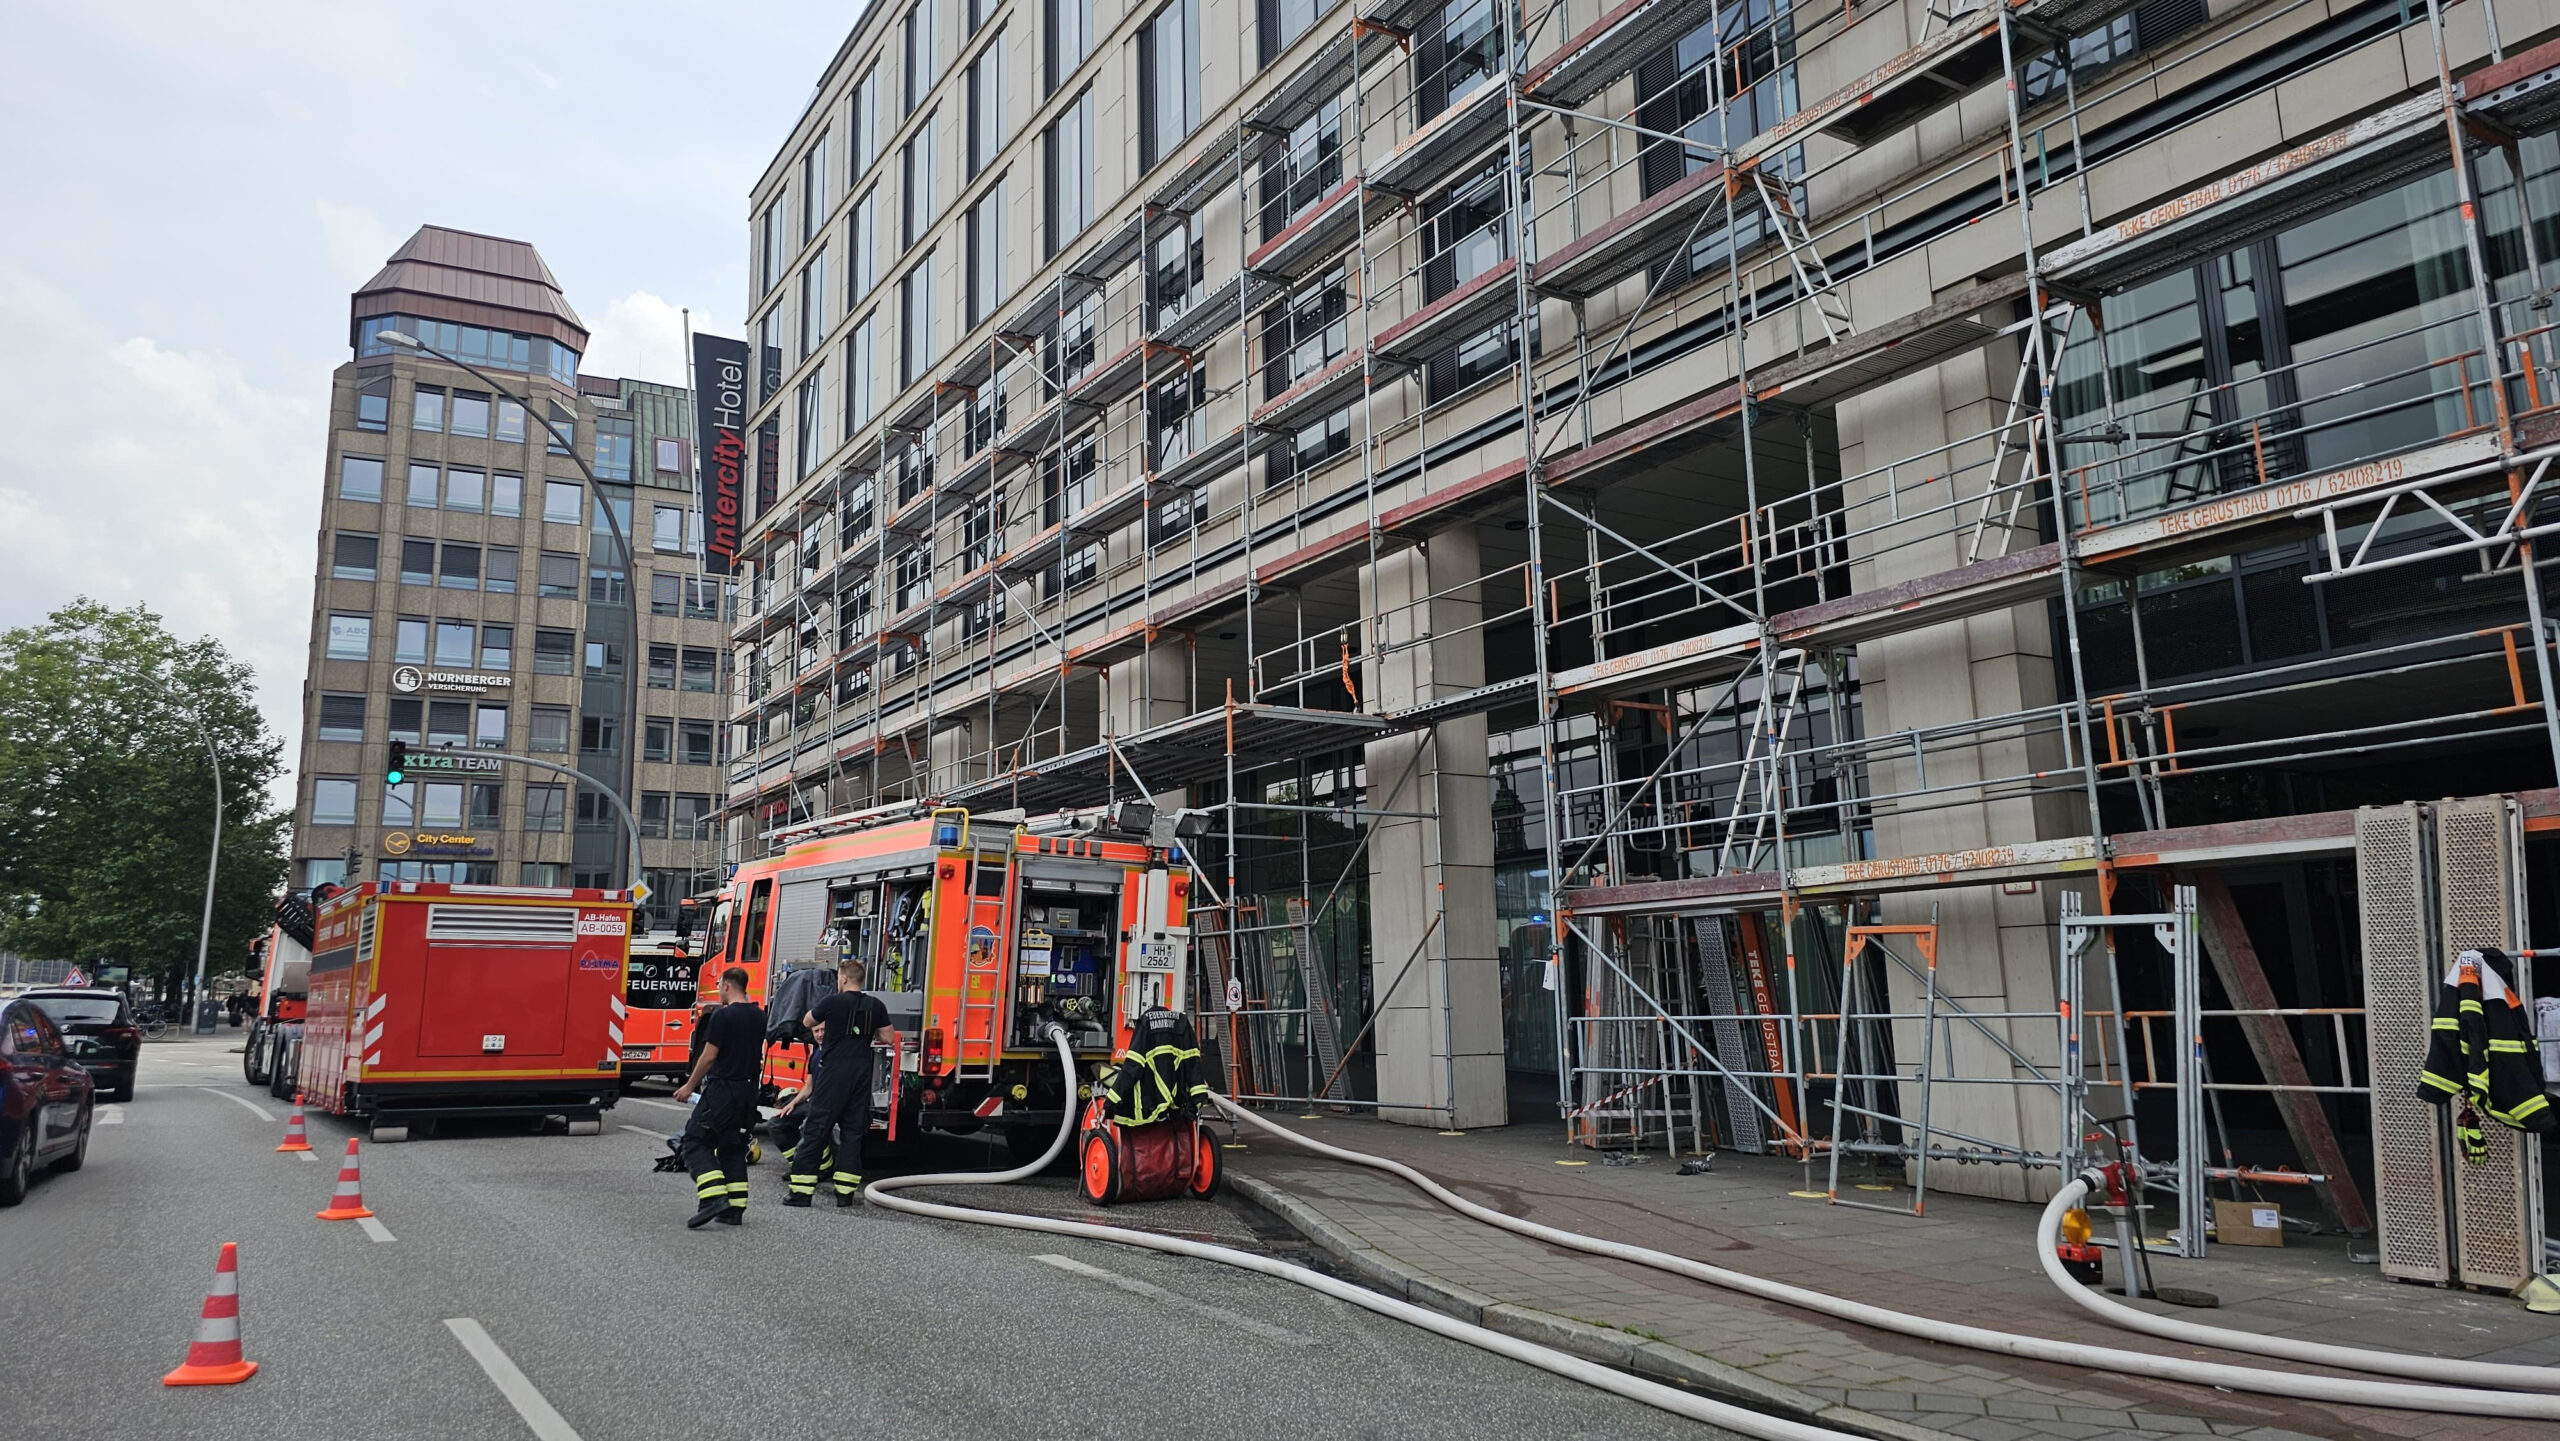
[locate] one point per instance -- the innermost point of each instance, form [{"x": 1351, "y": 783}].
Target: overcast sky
[{"x": 192, "y": 191}]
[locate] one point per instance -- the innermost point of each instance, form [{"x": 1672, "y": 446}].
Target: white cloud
[
  {"x": 130, "y": 472},
  {"x": 641, "y": 337},
  {"x": 354, "y": 238}
]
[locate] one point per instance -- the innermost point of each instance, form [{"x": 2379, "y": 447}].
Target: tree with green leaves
[{"x": 109, "y": 730}]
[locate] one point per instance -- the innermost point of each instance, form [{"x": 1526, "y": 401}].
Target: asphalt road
[{"x": 573, "y": 1260}]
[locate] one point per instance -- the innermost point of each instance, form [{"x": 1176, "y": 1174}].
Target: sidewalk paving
[{"x": 1968, "y": 1260}]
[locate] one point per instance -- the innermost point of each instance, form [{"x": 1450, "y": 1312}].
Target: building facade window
[
  {"x": 599, "y": 735},
  {"x": 461, "y": 567},
  {"x": 864, "y": 148},
  {"x": 666, "y": 528},
  {"x": 1066, "y": 175},
  {"x": 499, "y": 577},
  {"x": 862, "y": 260},
  {"x": 813, "y": 189},
  {"x": 549, "y": 731},
  {"x": 613, "y": 448},
  {"x": 455, "y": 644},
  {"x": 1066, "y": 38},
  {"x": 562, "y": 500},
  {"x": 470, "y": 413},
  {"x": 776, "y": 250},
  {"x": 657, "y": 739},
  {"x": 986, "y": 106},
  {"x": 558, "y": 578},
  {"x": 373, "y": 404},
  {"x": 498, "y": 648},
  {"x": 919, "y": 39},
  {"x": 342, "y": 717},
  {"x": 915, "y": 322},
  {"x": 811, "y": 422},
  {"x": 353, "y": 556},
  {"x": 333, "y": 801},
  {"x": 359, "y": 477},
  {"x": 506, "y": 493},
  {"x": 426, "y": 409},
  {"x": 1279, "y": 22},
  {"x": 1169, "y": 80},
  {"x": 662, "y": 667},
  {"x": 861, "y": 354},
  {"x": 417, "y": 562},
  {"x": 408, "y": 720},
  {"x": 554, "y": 652},
  {"x": 915, "y": 185},
  {"x": 813, "y": 303},
  {"x": 546, "y": 808},
  {"x": 409, "y": 640},
  {"x": 985, "y": 240}
]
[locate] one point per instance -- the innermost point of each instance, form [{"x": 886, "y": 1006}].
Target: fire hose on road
[
  {"x": 1633, "y": 1388},
  {"x": 2335, "y": 1389},
  {"x": 2342, "y": 1390}
]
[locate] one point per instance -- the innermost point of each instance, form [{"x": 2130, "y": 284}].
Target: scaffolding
[{"x": 1442, "y": 269}]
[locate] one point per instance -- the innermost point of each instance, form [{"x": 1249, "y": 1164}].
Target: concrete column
[
  {"x": 1149, "y": 688},
  {"x": 1995, "y": 949},
  {"x": 1439, "y": 1034},
  {"x": 949, "y": 748}
]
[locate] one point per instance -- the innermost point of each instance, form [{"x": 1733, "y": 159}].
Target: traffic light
[{"x": 394, "y": 769}]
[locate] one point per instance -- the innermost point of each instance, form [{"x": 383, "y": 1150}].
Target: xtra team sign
[{"x": 720, "y": 449}]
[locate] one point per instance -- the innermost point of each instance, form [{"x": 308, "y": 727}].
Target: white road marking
[
  {"x": 374, "y": 1228},
  {"x": 645, "y": 1131},
  {"x": 662, "y": 1105},
  {"x": 1161, "y": 1296},
  {"x": 255, "y": 1109},
  {"x": 545, "y": 1423},
  {"x": 110, "y": 1115},
  {"x": 311, "y": 1156}
]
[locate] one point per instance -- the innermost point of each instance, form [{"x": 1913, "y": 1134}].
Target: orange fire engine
[{"x": 976, "y": 932}]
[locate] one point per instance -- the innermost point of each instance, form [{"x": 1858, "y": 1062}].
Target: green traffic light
[{"x": 396, "y": 768}]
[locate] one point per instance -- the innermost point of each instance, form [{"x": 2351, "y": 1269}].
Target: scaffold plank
[
  {"x": 1204, "y": 319},
  {"x": 1434, "y": 153},
  {"x": 1326, "y": 229},
  {"x": 1319, "y": 394},
  {"x": 1622, "y": 246},
  {"x": 2372, "y": 154},
  {"x": 1315, "y": 83},
  {"x": 1982, "y": 866},
  {"x": 1178, "y": 753},
  {"x": 1212, "y": 457},
  {"x": 1610, "y": 46},
  {"x": 1451, "y": 318},
  {"x": 2217, "y": 520},
  {"x": 2521, "y": 94}
]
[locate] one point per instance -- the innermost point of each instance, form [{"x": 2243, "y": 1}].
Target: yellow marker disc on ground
[
  {"x": 1863, "y": 1186},
  {"x": 1233, "y": 1146},
  {"x": 1573, "y": 1163},
  {"x": 1811, "y": 1195},
  {"x": 1453, "y": 1133}
]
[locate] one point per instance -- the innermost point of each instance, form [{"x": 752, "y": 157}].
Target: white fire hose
[
  {"x": 1633, "y": 1388},
  {"x": 2491, "y": 1374},
  {"x": 2348, "y": 1391}
]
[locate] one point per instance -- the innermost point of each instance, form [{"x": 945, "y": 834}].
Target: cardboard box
[{"x": 2248, "y": 1223}]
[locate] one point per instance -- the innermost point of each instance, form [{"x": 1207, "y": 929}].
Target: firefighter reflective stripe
[
  {"x": 2480, "y": 1047},
  {"x": 803, "y": 1184},
  {"x": 846, "y": 1183},
  {"x": 710, "y": 1186}
]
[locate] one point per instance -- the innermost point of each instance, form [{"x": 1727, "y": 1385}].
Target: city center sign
[
  {"x": 410, "y": 679},
  {"x": 435, "y": 843}
]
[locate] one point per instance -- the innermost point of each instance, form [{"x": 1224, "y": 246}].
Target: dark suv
[
  {"x": 99, "y": 1032},
  {"x": 45, "y": 1100}
]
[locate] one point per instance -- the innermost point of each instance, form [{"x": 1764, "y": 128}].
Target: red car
[{"x": 46, "y": 1099}]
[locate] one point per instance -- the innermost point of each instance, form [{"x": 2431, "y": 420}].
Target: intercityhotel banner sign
[{"x": 720, "y": 449}]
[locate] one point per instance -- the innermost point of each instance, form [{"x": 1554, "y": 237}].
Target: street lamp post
[
  {"x": 631, "y": 658},
  {"x": 204, "y": 932}
]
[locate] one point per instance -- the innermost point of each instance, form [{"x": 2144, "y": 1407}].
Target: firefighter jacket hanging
[
  {"x": 2480, "y": 1051},
  {"x": 1160, "y": 1076}
]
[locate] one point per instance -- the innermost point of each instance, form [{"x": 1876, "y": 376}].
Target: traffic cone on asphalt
[
  {"x": 347, "y": 1202},
  {"x": 214, "y": 1358},
  {"x": 294, "y": 1137}
]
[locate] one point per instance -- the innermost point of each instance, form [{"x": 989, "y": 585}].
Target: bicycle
[{"x": 153, "y": 1021}]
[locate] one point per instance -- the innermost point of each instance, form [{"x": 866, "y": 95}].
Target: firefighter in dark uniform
[
  {"x": 837, "y": 1107},
  {"x": 715, "y": 1139}
]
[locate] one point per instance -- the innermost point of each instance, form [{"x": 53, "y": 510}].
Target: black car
[
  {"x": 99, "y": 1017},
  {"x": 45, "y": 1099}
]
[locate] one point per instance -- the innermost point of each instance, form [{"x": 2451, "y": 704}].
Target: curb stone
[{"x": 1625, "y": 1351}]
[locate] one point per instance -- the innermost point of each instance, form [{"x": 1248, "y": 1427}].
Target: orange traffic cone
[
  {"x": 214, "y": 1358},
  {"x": 294, "y": 1138},
  {"x": 347, "y": 1202}
]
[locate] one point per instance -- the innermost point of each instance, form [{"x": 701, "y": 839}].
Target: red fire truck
[
  {"x": 284, "y": 956},
  {"x": 430, "y": 1000},
  {"x": 657, "y": 1034},
  {"x": 975, "y": 933}
]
